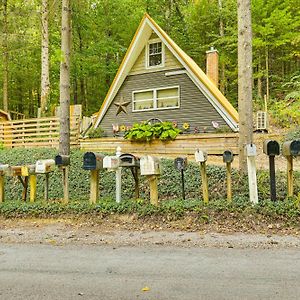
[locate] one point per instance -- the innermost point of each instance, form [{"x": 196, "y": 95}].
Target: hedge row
[{"x": 169, "y": 182}]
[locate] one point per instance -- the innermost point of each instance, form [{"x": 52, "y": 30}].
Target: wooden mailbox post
[
  {"x": 228, "y": 159},
  {"x": 289, "y": 150},
  {"x": 26, "y": 171},
  {"x": 150, "y": 166},
  {"x": 201, "y": 157},
  {"x": 3, "y": 170},
  {"x": 93, "y": 162}
]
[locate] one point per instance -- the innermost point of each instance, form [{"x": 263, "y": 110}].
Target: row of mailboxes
[
  {"x": 96, "y": 161},
  {"x": 289, "y": 148}
]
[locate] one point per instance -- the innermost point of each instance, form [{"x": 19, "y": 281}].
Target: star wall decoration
[{"x": 121, "y": 106}]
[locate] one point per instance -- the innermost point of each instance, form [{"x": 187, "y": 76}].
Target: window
[
  {"x": 155, "y": 54},
  {"x": 156, "y": 99}
]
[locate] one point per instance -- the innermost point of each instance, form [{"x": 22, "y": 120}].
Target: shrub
[{"x": 147, "y": 132}]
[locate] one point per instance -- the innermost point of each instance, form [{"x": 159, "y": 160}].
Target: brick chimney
[{"x": 212, "y": 65}]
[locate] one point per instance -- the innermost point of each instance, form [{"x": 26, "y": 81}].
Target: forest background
[{"x": 103, "y": 29}]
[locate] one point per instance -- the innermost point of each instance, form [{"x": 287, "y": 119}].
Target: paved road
[{"x": 93, "y": 272}]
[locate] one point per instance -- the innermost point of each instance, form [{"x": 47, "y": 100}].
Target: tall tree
[
  {"x": 64, "y": 97},
  {"x": 5, "y": 57},
  {"x": 45, "y": 82},
  {"x": 244, "y": 78}
]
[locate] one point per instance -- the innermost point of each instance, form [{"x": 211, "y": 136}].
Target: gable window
[
  {"x": 155, "y": 54},
  {"x": 156, "y": 99}
]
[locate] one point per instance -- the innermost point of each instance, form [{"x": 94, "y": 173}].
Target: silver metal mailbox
[
  {"x": 150, "y": 165},
  {"x": 291, "y": 148},
  {"x": 250, "y": 150},
  {"x": 44, "y": 166},
  {"x": 111, "y": 162},
  {"x": 200, "y": 156}
]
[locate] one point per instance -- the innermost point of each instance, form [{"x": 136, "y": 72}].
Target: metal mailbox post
[
  {"x": 93, "y": 162},
  {"x": 128, "y": 160},
  {"x": 45, "y": 166},
  {"x": 180, "y": 164},
  {"x": 290, "y": 149},
  {"x": 201, "y": 157},
  {"x": 150, "y": 166},
  {"x": 63, "y": 162},
  {"x": 272, "y": 149},
  {"x": 228, "y": 159}
]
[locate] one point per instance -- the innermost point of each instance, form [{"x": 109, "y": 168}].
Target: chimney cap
[{"x": 211, "y": 50}]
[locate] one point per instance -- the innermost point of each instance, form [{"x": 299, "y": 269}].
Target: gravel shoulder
[{"x": 59, "y": 232}]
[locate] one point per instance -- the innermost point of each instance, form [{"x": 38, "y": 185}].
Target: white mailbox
[
  {"x": 4, "y": 168},
  {"x": 44, "y": 166},
  {"x": 111, "y": 162},
  {"x": 149, "y": 165},
  {"x": 200, "y": 156},
  {"x": 250, "y": 150}
]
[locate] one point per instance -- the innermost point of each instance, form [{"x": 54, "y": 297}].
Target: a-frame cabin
[{"x": 158, "y": 80}]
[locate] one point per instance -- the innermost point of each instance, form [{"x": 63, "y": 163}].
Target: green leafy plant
[
  {"x": 96, "y": 133},
  {"x": 147, "y": 132}
]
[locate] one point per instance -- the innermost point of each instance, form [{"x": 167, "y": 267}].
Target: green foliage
[
  {"x": 96, "y": 133},
  {"x": 293, "y": 134},
  {"x": 285, "y": 114},
  {"x": 287, "y": 212},
  {"x": 146, "y": 132}
]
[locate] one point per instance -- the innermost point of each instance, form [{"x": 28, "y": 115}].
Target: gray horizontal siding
[{"x": 194, "y": 107}]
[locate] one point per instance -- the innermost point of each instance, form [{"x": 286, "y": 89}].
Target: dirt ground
[{"x": 125, "y": 231}]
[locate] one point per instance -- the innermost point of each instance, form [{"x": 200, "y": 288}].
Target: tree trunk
[
  {"x": 64, "y": 97},
  {"x": 5, "y": 57},
  {"x": 259, "y": 83},
  {"x": 45, "y": 82},
  {"x": 267, "y": 74},
  {"x": 244, "y": 79},
  {"x": 221, "y": 30}
]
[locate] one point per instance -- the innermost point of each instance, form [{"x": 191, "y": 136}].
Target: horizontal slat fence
[
  {"x": 40, "y": 132},
  {"x": 214, "y": 144}
]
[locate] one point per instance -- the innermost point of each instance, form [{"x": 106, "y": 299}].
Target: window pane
[
  {"x": 155, "y": 60},
  {"x": 167, "y": 93},
  {"x": 143, "y": 95},
  {"x": 143, "y": 105}
]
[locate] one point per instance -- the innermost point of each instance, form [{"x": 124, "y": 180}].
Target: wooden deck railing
[{"x": 31, "y": 133}]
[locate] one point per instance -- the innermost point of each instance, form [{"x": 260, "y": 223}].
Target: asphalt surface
[{"x": 99, "y": 272}]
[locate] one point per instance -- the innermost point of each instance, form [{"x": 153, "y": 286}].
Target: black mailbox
[
  {"x": 291, "y": 148},
  {"x": 92, "y": 161},
  {"x": 62, "y": 160},
  {"x": 180, "y": 163},
  {"x": 129, "y": 160},
  {"x": 227, "y": 156},
  {"x": 271, "y": 148}
]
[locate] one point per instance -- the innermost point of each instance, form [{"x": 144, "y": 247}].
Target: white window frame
[
  {"x": 155, "y": 98},
  {"x": 153, "y": 41}
]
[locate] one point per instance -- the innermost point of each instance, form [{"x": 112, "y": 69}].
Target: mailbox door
[
  {"x": 180, "y": 163},
  {"x": 89, "y": 161}
]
